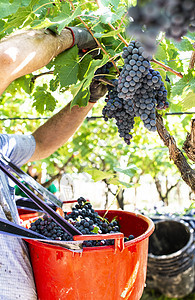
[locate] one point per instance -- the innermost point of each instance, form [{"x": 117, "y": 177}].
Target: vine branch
[
  {"x": 189, "y": 144},
  {"x": 167, "y": 68},
  {"x": 175, "y": 154},
  {"x": 192, "y": 59}
]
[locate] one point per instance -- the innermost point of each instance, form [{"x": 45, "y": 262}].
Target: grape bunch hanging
[
  {"x": 148, "y": 18},
  {"x": 138, "y": 92}
]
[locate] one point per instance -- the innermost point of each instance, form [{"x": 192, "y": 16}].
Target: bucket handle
[{"x": 117, "y": 237}]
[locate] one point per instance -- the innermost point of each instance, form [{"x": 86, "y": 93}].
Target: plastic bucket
[
  {"x": 171, "y": 264},
  {"x": 98, "y": 273}
]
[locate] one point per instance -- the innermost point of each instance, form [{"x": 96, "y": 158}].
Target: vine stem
[
  {"x": 167, "y": 68},
  {"x": 118, "y": 190},
  {"x": 98, "y": 43},
  {"x": 192, "y": 59}
]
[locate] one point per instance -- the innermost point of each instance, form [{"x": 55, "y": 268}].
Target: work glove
[
  {"x": 82, "y": 38},
  {"x": 97, "y": 90}
]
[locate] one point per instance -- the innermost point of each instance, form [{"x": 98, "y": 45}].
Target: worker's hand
[
  {"x": 84, "y": 41},
  {"x": 97, "y": 90}
]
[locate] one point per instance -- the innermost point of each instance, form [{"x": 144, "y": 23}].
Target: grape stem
[
  {"x": 167, "y": 68},
  {"x": 118, "y": 190},
  {"x": 105, "y": 81}
]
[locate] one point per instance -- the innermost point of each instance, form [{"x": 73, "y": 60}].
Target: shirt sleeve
[{"x": 18, "y": 148}]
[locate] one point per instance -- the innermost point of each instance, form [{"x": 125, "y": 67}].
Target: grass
[{"x": 154, "y": 295}]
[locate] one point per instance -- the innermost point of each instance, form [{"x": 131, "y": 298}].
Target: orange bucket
[{"x": 115, "y": 272}]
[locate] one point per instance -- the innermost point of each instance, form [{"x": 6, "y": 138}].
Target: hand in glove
[
  {"x": 82, "y": 38},
  {"x": 97, "y": 90}
]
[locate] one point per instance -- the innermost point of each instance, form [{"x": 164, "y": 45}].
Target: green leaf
[
  {"x": 8, "y": 7},
  {"x": 179, "y": 86},
  {"x": 107, "y": 16},
  {"x": 23, "y": 16},
  {"x": 108, "y": 34},
  {"x": 66, "y": 67},
  {"x": 81, "y": 98},
  {"x": 43, "y": 100},
  {"x": 67, "y": 75},
  {"x": 160, "y": 54},
  {"x": 114, "y": 181},
  {"x": 54, "y": 84},
  {"x": 24, "y": 83},
  {"x": 105, "y": 2},
  {"x": 97, "y": 174},
  {"x": 183, "y": 45},
  {"x": 115, "y": 3},
  {"x": 130, "y": 171},
  {"x": 168, "y": 88},
  {"x": 64, "y": 18},
  {"x": 126, "y": 184},
  {"x": 189, "y": 101},
  {"x": 42, "y": 24},
  {"x": 84, "y": 66},
  {"x": 95, "y": 229}
]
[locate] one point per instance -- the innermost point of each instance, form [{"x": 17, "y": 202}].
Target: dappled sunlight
[{"x": 12, "y": 52}]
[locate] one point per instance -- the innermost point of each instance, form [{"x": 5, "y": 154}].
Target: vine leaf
[
  {"x": 64, "y": 18},
  {"x": 183, "y": 45},
  {"x": 66, "y": 67},
  {"x": 8, "y": 7},
  {"x": 43, "y": 100},
  {"x": 97, "y": 174},
  {"x": 160, "y": 53},
  {"x": 189, "y": 101},
  {"x": 109, "y": 34},
  {"x": 179, "y": 86},
  {"x": 84, "y": 66},
  {"x": 114, "y": 3},
  {"x": 129, "y": 172},
  {"x": 81, "y": 95},
  {"x": 23, "y": 16}
]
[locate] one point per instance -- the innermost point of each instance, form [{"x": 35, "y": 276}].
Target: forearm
[
  {"x": 58, "y": 129},
  {"x": 29, "y": 51}
]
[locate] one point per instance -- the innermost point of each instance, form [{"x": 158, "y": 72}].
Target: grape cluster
[
  {"x": 138, "y": 92},
  {"x": 47, "y": 227},
  {"x": 174, "y": 17},
  {"x": 85, "y": 219},
  {"x": 122, "y": 111}
]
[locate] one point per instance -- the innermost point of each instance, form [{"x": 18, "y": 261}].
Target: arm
[
  {"x": 58, "y": 129},
  {"x": 25, "y": 52},
  {"x": 28, "y": 51}
]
